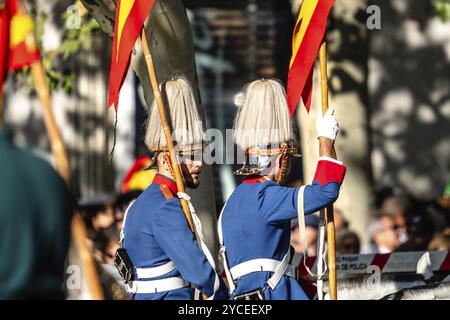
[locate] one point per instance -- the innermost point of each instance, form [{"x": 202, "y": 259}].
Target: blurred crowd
[
  {"x": 104, "y": 214},
  {"x": 399, "y": 223}
]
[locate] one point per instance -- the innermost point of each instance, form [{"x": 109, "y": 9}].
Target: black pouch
[
  {"x": 251, "y": 295},
  {"x": 123, "y": 263}
]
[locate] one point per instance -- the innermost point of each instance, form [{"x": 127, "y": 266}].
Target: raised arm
[{"x": 278, "y": 204}]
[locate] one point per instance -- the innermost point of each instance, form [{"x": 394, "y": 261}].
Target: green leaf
[
  {"x": 73, "y": 42},
  {"x": 442, "y": 8}
]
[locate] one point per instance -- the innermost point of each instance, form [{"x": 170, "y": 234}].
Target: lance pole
[
  {"x": 58, "y": 148},
  {"x": 165, "y": 125},
  {"x": 166, "y": 128},
  {"x": 78, "y": 229},
  {"x": 56, "y": 142},
  {"x": 331, "y": 238}
]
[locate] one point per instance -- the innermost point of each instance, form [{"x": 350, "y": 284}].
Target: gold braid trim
[
  {"x": 166, "y": 162},
  {"x": 182, "y": 149},
  {"x": 284, "y": 151}
]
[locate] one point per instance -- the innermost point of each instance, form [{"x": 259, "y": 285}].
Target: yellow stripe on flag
[
  {"x": 304, "y": 17},
  {"x": 124, "y": 8},
  {"x": 21, "y": 27}
]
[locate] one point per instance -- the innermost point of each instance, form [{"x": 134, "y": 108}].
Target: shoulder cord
[
  {"x": 302, "y": 235},
  {"x": 201, "y": 240},
  {"x": 122, "y": 235},
  {"x": 223, "y": 254},
  {"x": 321, "y": 251}
]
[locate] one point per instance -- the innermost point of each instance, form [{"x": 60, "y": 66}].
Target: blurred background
[{"x": 389, "y": 72}]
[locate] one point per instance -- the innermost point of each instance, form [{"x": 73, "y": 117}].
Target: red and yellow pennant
[
  {"x": 308, "y": 35},
  {"x": 18, "y": 48},
  {"x": 139, "y": 177},
  {"x": 22, "y": 47},
  {"x": 130, "y": 18}
]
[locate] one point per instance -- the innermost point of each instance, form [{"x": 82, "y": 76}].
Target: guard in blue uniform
[
  {"x": 254, "y": 227},
  {"x": 166, "y": 259}
]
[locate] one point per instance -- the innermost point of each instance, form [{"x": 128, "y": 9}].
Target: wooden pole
[
  {"x": 78, "y": 229},
  {"x": 80, "y": 236},
  {"x": 43, "y": 92},
  {"x": 166, "y": 128},
  {"x": 331, "y": 237},
  {"x": 58, "y": 148},
  {"x": 165, "y": 125},
  {"x": 55, "y": 137}
]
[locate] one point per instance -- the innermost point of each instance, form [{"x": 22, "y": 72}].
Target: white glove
[{"x": 327, "y": 125}]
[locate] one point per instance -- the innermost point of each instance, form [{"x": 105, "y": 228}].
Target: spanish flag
[
  {"x": 308, "y": 35},
  {"x": 140, "y": 176},
  {"x": 18, "y": 48},
  {"x": 22, "y": 47},
  {"x": 130, "y": 18}
]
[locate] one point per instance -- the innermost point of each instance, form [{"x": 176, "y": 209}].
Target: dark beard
[
  {"x": 191, "y": 184},
  {"x": 187, "y": 178}
]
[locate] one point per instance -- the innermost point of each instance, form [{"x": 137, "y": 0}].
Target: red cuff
[{"x": 328, "y": 172}]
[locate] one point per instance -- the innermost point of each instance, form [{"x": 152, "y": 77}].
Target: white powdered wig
[
  {"x": 263, "y": 119},
  {"x": 182, "y": 111}
]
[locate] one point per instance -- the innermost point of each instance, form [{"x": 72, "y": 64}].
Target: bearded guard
[
  {"x": 254, "y": 226},
  {"x": 160, "y": 257}
]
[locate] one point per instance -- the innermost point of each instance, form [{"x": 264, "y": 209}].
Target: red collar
[
  {"x": 254, "y": 179},
  {"x": 161, "y": 179}
]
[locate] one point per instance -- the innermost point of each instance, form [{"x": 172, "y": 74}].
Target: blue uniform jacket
[
  {"x": 256, "y": 223},
  {"x": 156, "y": 232}
]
